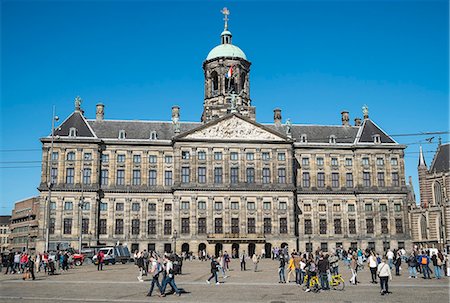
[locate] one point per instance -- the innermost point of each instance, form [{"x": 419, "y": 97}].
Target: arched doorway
[
  {"x": 185, "y": 248},
  {"x": 285, "y": 249},
  {"x": 251, "y": 249},
  {"x": 202, "y": 251},
  {"x": 218, "y": 250},
  {"x": 235, "y": 250},
  {"x": 268, "y": 249}
]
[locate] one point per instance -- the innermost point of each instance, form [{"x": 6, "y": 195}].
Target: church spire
[{"x": 421, "y": 158}]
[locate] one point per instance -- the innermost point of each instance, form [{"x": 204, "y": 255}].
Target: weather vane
[{"x": 225, "y": 13}]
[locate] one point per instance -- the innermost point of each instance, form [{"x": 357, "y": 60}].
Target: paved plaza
[{"x": 118, "y": 283}]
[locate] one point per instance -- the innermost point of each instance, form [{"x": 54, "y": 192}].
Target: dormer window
[
  {"x": 153, "y": 135},
  {"x": 376, "y": 139},
  {"x": 332, "y": 139},
  {"x": 122, "y": 134},
  {"x": 73, "y": 132},
  {"x": 304, "y": 138}
]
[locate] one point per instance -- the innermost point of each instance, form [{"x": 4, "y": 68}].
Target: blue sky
[{"x": 310, "y": 58}]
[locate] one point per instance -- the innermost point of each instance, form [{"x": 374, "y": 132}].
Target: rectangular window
[
  {"x": 380, "y": 177},
  {"x": 86, "y": 206},
  {"x": 348, "y": 162},
  {"x": 167, "y": 227},
  {"x": 384, "y": 226},
  {"x": 266, "y": 175},
  {"x": 335, "y": 180},
  {"x": 234, "y": 175},
  {"x": 202, "y": 175},
  {"x": 201, "y": 155},
  {"x": 282, "y": 206},
  {"x": 394, "y": 161},
  {"x": 234, "y": 156},
  {"x": 251, "y": 206},
  {"x": 369, "y": 226},
  {"x": 337, "y": 226},
  {"x": 336, "y": 208},
  {"x": 67, "y": 228},
  {"x": 152, "y": 177},
  {"x": 319, "y": 161},
  {"x": 120, "y": 158},
  {"x": 366, "y": 179},
  {"x": 334, "y": 162},
  {"x": 184, "y": 205},
  {"x": 217, "y": 156},
  {"x": 136, "y": 206},
  {"x": 119, "y": 206},
  {"x": 185, "y": 155},
  {"x": 351, "y": 226},
  {"x": 267, "y": 225},
  {"x": 320, "y": 180},
  {"x": 135, "y": 227},
  {"x": 68, "y": 205},
  {"x": 151, "y": 206},
  {"x": 218, "y": 175},
  {"x": 151, "y": 227},
  {"x": 120, "y": 178},
  {"x": 349, "y": 180},
  {"x": 71, "y": 156},
  {"x": 282, "y": 175},
  {"x": 87, "y": 176},
  {"x": 250, "y": 156},
  {"x": 395, "y": 179},
  {"x": 351, "y": 208},
  {"x": 185, "y": 175},
  {"x": 102, "y": 226},
  {"x": 235, "y": 225},
  {"x": 305, "y": 161},
  {"x": 397, "y": 207},
  {"x": 281, "y": 157},
  {"x": 104, "y": 177},
  {"x": 54, "y": 175},
  {"x": 168, "y": 159},
  {"x": 136, "y": 177},
  {"x": 168, "y": 178},
  {"x": 185, "y": 226},
  {"x": 383, "y": 208},
  {"x": 55, "y": 156},
  {"x": 103, "y": 206},
  {"x": 87, "y": 156},
  {"x": 202, "y": 205},
  {"x": 398, "y": 226},
  {"x": 152, "y": 159},
  {"x": 308, "y": 227},
  {"x": 365, "y": 161},
  {"x": 283, "y": 226},
  {"x": 218, "y": 225},
  {"x": 201, "y": 227},
  {"x": 118, "y": 230},
  {"x": 267, "y": 205},
  {"x": 250, "y": 175},
  {"x": 306, "y": 180},
  {"x": 70, "y": 175},
  {"x": 380, "y": 161},
  {"x": 234, "y": 205},
  {"x": 265, "y": 156},
  {"x": 167, "y": 207},
  {"x": 368, "y": 207},
  {"x": 218, "y": 205},
  {"x": 136, "y": 159},
  {"x": 52, "y": 205},
  {"x": 324, "y": 246},
  {"x": 85, "y": 226},
  {"x": 322, "y": 226},
  {"x": 251, "y": 226},
  {"x": 307, "y": 207},
  {"x": 105, "y": 158}
]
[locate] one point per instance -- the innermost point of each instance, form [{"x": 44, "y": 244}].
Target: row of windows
[
  {"x": 348, "y": 161},
  {"x": 323, "y": 226},
  {"x": 335, "y": 180},
  {"x": 234, "y": 156},
  {"x": 351, "y": 207},
  {"x": 185, "y": 226}
]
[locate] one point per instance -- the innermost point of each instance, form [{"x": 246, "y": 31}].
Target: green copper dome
[{"x": 226, "y": 50}]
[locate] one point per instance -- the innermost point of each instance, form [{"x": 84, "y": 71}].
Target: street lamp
[
  {"x": 384, "y": 244},
  {"x": 80, "y": 211},
  {"x": 309, "y": 242},
  {"x": 50, "y": 181},
  {"x": 175, "y": 234}
]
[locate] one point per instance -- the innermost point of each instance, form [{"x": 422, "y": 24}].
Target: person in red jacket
[{"x": 100, "y": 258}]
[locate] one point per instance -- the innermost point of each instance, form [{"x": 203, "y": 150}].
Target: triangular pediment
[{"x": 233, "y": 128}]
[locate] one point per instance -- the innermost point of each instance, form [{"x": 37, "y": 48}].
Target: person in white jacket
[{"x": 384, "y": 273}]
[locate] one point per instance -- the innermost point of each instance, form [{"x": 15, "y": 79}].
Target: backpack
[{"x": 423, "y": 261}]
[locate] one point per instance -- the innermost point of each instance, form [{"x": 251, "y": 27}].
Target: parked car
[{"x": 114, "y": 254}]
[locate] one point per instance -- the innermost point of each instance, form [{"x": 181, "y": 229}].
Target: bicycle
[
  {"x": 337, "y": 282},
  {"x": 314, "y": 283}
]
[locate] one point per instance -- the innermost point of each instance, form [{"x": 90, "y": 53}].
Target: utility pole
[{"x": 80, "y": 212}]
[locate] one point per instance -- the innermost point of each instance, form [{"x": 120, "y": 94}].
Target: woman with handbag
[{"x": 384, "y": 273}]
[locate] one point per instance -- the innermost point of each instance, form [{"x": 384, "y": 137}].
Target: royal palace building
[{"x": 226, "y": 183}]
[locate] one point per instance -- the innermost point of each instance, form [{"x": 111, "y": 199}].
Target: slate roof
[
  {"x": 76, "y": 120},
  {"x": 4, "y": 220},
  {"x": 441, "y": 161},
  {"x": 369, "y": 129},
  {"x": 320, "y": 133}
]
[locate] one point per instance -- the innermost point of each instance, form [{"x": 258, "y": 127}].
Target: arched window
[
  {"x": 230, "y": 85},
  {"x": 73, "y": 132},
  {"x": 243, "y": 81},
  {"x": 122, "y": 134},
  {"x": 423, "y": 227},
  {"x": 215, "y": 82},
  {"x": 376, "y": 139},
  {"x": 153, "y": 135},
  {"x": 332, "y": 139},
  {"x": 437, "y": 193},
  {"x": 304, "y": 138}
]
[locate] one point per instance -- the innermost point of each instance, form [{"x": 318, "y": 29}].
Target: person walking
[
  {"x": 255, "y": 260},
  {"x": 373, "y": 265},
  {"x": 397, "y": 263},
  {"x": 242, "y": 259},
  {"x": 10, "y": 264},
  {"x": 291, "y": 268},
  {"x": 390, "y": 258},
  {"x": 384, "y": 272},
  {"x": 169, "y": 279},
  {"x": 354, "y": 269},
  {"x": 214, "y": 270},
  {"x": 412, "y": 264},
  {"x": 100, "y": 260},
  {"x": 155, "y": 270},
  {"x": 31, "y": 266},
  {"x": 140, "y": 265},
  {"x": 281, "y": 269}
]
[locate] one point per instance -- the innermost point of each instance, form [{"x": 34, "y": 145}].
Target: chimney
[
  {"x": 277, "y": 117},
  {"x": 176, "y": 118},
  {"x": 99, "y": 112},
  {"x": 357, "y": 121},
  {"x": 345, "y": 118}
]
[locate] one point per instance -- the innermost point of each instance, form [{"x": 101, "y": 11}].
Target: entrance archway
[
  {"x": 268, "y": 249},
  {"x": 218, "y": 250},
  {"x": 235, "y": 250},
  {"x": 185, "y": 248},
  {"x": 251, "y": 249}
]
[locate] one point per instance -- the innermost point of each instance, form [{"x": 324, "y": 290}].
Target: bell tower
[{"x": 227, "y": 86}]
